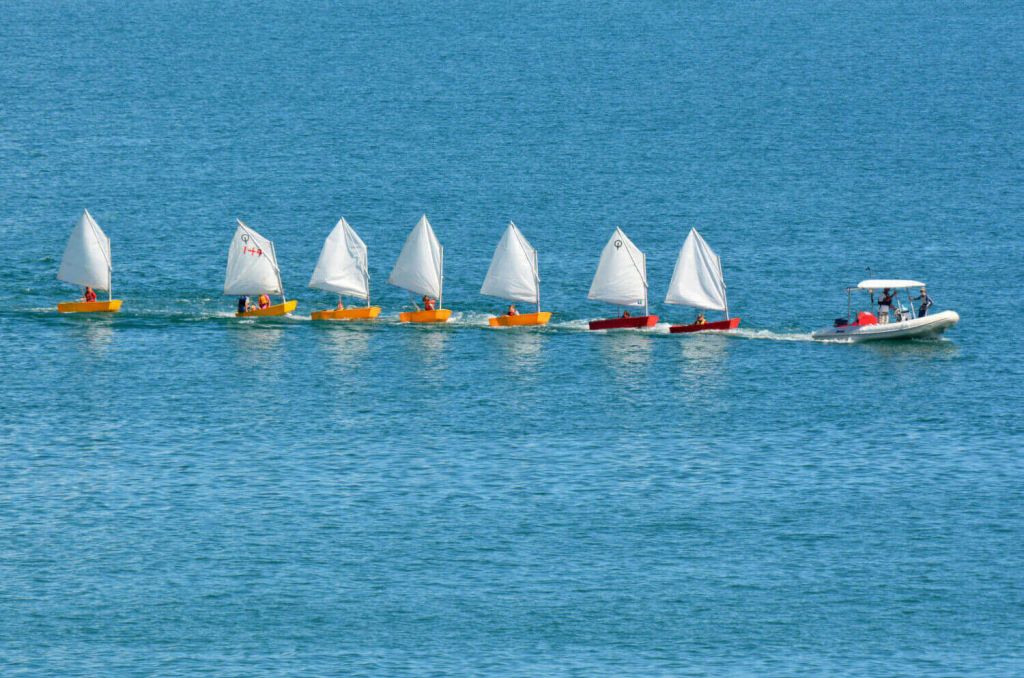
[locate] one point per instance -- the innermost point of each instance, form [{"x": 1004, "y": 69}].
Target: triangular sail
[
  {"x": 419, "y": 268},
  {"x": 621, "y": 276},
  {"x": 697, "y": 279},
  {"x": 342, "y": 267},
  {"x": 513, "y": 273},
  {"x": 252, "y": 265},
  {"x": 86, "y": 258}
]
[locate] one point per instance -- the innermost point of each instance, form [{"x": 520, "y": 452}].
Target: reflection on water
[
  {"x": 704, "y": 355},
  {"x": 940, "y": 349},
  {"x": 256, "y": 344},
  {"x": 626, "y": 353},
  {"x": 95, "y": 335},
  {"x": 427, "y": 343},
  {"x": 345, "y": 347},
  {"x": 523, "y": 350}
]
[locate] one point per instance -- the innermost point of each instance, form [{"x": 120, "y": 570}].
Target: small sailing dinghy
[
  {"x": 894, "y": 321},
  {"x": 697, "y": 281},
  {"x": 86, "y": 262},
  {"x": 621, "y": 279},
  {"x": 420, "y": 270},
  {"x": 514, "y": 275},
  {"x": 342, "y": 269},
  {"x": 252, "y": 271}
]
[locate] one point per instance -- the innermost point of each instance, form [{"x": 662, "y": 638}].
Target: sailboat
[
  {"x": 621, "y": 279},
  {"x": 697, "y": 281},
  {"x": 342, "y": 269},
  {"x": 420, "y": 270},
  {"x": 86, "y": 262},
  {"x": 252, "y": 271},
  {"x": 514, "y": 275}
]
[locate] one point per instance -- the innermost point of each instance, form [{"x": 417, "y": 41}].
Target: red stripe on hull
[
  {"x": 730, "y": 324},
  {"x": 634, "y": 323}
]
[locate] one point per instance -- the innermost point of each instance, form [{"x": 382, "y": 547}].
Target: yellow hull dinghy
[
  {"x": 252, "y": 271},
  {"x": 343, "y": 269},
  {"x": 420, "y": 270},
  {"x": 86, "y": 262},
  {"x": 514, "y": 274}
]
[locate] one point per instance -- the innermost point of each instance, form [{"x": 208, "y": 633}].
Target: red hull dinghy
[
  {"x": 697, "y": 281},
  {"x": 730, "y": 324},
  {"x": 621, "y": 279},
  {"x": 633, "y": 323}
]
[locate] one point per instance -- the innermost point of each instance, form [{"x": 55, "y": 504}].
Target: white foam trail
[{"x": 768, "y": 335}]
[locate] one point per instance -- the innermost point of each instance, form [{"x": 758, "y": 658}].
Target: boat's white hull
[{"x": 916, "y": 328}]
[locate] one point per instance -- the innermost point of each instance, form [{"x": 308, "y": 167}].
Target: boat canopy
[
  {"x": 342, "y": 266},
  {"x": 252, "y": 265},
  {"x": 513, "y": 273},
  {"x": 420, "y": 266},
  {"x": 891, "y": 284},
  {"x": 697, "y": 279},
  {"x": 86, "y": 258},
  {"x": 621, "y": 276}
]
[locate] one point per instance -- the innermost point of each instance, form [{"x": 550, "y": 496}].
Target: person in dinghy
[
  {"x": 698, "y": 282},
  {"x": 89, "y": 296}
]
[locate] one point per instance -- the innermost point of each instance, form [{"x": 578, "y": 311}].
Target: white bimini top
[{"x": 891, "y": 284}]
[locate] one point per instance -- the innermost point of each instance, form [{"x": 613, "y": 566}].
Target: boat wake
[{"x": 768, "y": 335}]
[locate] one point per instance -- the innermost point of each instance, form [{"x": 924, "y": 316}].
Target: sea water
[{"x": 182, "y": 492}]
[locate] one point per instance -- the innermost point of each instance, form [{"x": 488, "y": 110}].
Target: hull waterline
[
  {"x": 916, "y": 328},
  {"x": 633, "y": 323},
  {"x": 719, "y": 325},
  {"x": 364, "y": 313},
  {"x": 111, "y": 306},
  {"x": 276, "y": 309},
  {"x": 521, "y": 320},
  {"x": 441, "y": 315}
]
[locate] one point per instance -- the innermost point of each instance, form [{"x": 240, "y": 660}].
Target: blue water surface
[{"x": 185, "y": 493}]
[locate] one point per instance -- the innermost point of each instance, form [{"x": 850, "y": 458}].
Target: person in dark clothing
[
  {"x": 926, "y": 303},
  {"x": 243, "y": 304},
  {"x": 884, "y": 304}
]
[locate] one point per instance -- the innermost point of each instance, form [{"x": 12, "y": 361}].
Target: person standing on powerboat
[
  {"x": 884, "y": 304},
  {"x": 926, "y": 303}
]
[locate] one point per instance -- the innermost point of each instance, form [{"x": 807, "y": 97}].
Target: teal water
[{"x": 185, "y": 493}]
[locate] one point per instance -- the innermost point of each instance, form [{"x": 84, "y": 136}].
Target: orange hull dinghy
[
  {"x": 364, "y": 313},
  {"x": 441, "y": 315},
  {"x": 276, "y": 309},
  {"x": 521, "y": 320},
  {"x": 112, "y": 306}
]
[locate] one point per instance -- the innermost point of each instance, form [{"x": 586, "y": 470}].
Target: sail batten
[
  {"x": 252, "y": 265},
  {"x": 697, "y": 279},
  {"x": 343, "y": 265},
  {"x": 86, "y": 259},
  {"x": 420, "y": 266},
  {"x": 621, "y": 276},
  {"x": 513, "y": 273}
]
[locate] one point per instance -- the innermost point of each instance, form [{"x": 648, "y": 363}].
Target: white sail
[
  {"x": 86, "y": 258},
  {"x": 513, "y": 273},
  {"x": 342, "y": 266},
  {"x": 697, "y": 279},
  {"x": 420, "y": 266},
  {"x": 252, "y": 265},
  {"x": 621, "y": 276}
]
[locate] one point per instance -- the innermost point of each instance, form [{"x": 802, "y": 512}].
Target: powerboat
[{"x": 893, "y": 320}]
